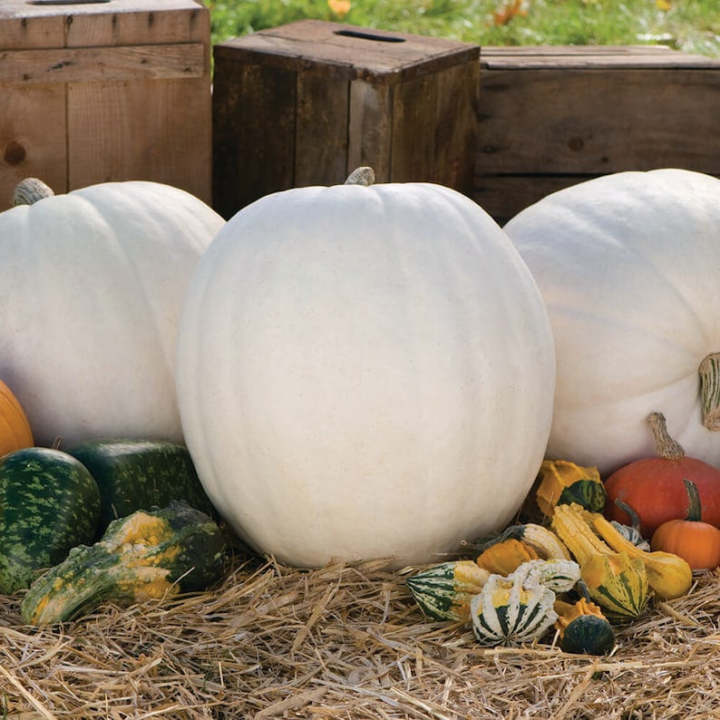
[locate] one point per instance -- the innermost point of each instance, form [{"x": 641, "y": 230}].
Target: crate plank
[
  {"x": 552, "y": 116},
  {"x": 253, "y": 142},
  {"x": 456, "y": 125},
  {"x": 293, "y": 45},
  {"x": 29, "y": 145},
  {"x": 370, "y": 128},
  {"x": 178, "y": 60},
  {"x": 149, "y": 138},
  {"x": 557, "y": 121},
  {"x": 321, "y": 130},
  {"x": 131, "y": 83},
  {"x": 402, "y": 104}
]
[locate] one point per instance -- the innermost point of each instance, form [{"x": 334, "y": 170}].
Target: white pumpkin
[
  {"x": 91, "y": 286},
  {"x": 364, "y": 372},
  {"x": 629, "y": 266}
]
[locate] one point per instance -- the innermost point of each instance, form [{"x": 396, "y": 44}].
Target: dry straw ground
[{"x": 346, "y": 642}]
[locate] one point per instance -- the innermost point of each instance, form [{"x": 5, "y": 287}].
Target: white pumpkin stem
[
  {"x": 666, "y": 447},
  {"x": 361, "y": 176},
  {"x": 709, "y": 371},
  {"x": 29, "y": 191}
]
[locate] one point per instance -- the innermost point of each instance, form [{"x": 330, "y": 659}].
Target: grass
[{"x": 688, "y": 25}]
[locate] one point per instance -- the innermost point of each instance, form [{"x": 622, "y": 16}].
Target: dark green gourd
[
  {"x": 49, "y": 503},
  {"x": 141, "y": 475}
]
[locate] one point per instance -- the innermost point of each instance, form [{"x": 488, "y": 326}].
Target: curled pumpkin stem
[{"x": 709, "y": 372}]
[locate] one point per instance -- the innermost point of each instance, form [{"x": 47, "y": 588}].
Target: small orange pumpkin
[
  {"x": 695, "y": 541},
  {"x": 15, "y": 432}
]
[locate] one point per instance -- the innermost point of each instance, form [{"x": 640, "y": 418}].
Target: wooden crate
[
  {"x": 554, "y": 116},
  {"x": 306, "y": 103},
  {"x": 105, "y": 90}
]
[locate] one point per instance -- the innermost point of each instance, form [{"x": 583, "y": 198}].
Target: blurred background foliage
[{"x": 688, "y": 25}]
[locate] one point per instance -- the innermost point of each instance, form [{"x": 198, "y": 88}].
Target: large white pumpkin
[
  {"x": 91, "y": 286},
  {"x": 629, "y": 266},
  {"x": 364, "y": 372}
]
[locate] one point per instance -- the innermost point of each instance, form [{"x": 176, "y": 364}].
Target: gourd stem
[
  {"x": 694, "y": 513},
  {"x": 29, "y": 191},
  {"x": 630, "y": 512},
  {"x": 709, "y": 371},
  {"x": 666, "y": 447},
  {"x": 361, "y": 176}
]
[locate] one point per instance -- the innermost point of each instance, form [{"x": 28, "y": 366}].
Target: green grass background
[{"x": 688, "y": 25}]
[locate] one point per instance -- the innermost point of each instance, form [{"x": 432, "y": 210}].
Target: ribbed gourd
[
  {"x": 517, "y": 544},
  {"x": 564, "y": 482},
  {"x": 15, "y": 432},
  {"x": 146, "y": 555},
  {"x": 519, "y": 607},
  {"x": 583, "y": 628},
  {"x": 616, "y": 581},
  {"x": 444, "y": 591}
]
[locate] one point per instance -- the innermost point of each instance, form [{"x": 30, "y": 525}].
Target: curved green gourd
[{"x": 143, "y": 556}]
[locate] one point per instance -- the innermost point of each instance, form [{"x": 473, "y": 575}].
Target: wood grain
[
  {"x": 321, "y": 137},
  {"x": 253, "y": 133},
  {"x": 32, "y": 138},
  {"x": 294, "y": 45},
  {"x": 598, "y": 121},
  {"x": 370, "y": 128},
  {"x": 159, "y": 62},
  {"x": 132, "y": 130}
]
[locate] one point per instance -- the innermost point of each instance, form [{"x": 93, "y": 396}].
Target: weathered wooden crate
[
  {"x": 554, "y": 116},
  {"x": 306, "y": 103},
  {"x": 105, "y": 90}
]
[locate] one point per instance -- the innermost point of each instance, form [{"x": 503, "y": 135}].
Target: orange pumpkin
[
  {"x": 15, "y": 432},
  {"x": 654, "y": 486},
  {"x": 695, "y": 541}
]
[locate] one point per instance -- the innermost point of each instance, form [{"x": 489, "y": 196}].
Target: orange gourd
[
  {"x": 654, "y": 486},
  {"x": 697, "y": 542},
  {"x": 15, "y": 432}
]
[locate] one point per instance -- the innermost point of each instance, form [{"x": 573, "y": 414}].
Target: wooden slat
[
  {"x": 119, "y": 22},
  {"x": 597, "y": 121},
  {"x": 455, "y": 126},
  {"x": 182, "y": 60},
  {"x": 321, "y": 137},
  {"x": 253, "y": 133},
  {"x": 139, "y": 28},
  {"x": 32, "y": 137},
  {"x": 559, "y": 50},
  {"x": 414, "y": 145},
  {"x": 370, "y": 128},
  {"x": 296, "y": 45},
  {"x": 145, "y": 130}
]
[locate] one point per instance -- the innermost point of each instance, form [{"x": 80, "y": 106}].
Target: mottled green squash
[
  {"x": 143, "y": 556},
  {"x": 141, "y": 475},
  {"x": 49, "y": 503}
]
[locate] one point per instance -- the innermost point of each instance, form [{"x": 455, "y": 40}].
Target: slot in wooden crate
[{"x": 306, "y": 103}]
